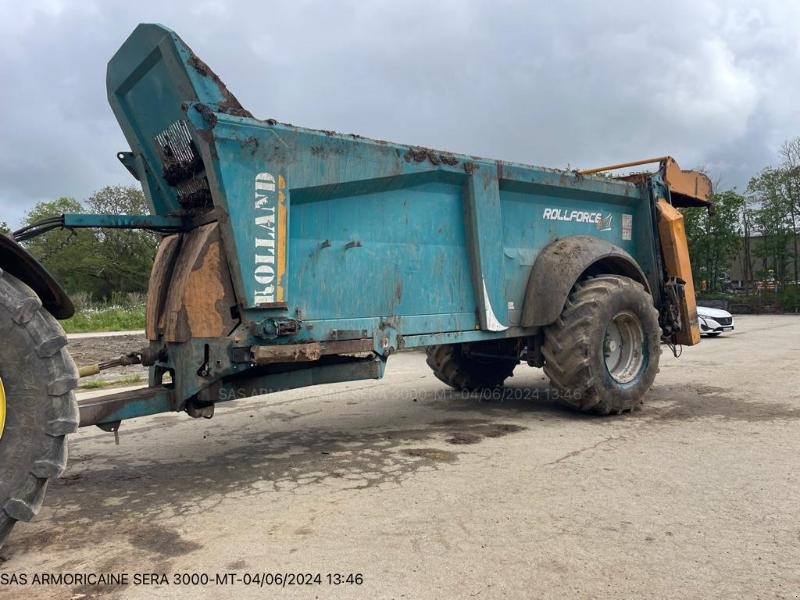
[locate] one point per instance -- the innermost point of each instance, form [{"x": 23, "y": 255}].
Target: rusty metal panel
[
  {"x": 200, "y": 295},
  {"x": 159, "y": 283},
  {"x": 309, "y": 352},
  {"x": 687, "y": 188},
  {"x": 286, "y": 353}
]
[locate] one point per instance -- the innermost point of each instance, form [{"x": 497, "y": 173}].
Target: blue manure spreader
[{"x": 291, "y": 257}]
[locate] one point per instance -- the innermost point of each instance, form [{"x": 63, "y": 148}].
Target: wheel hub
[
  {"x": 623, "y": 347},
  {"x": 2, "y": 407}
]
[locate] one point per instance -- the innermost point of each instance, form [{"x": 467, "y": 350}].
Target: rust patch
[
  {"x": 470, "y": 167},
  {"x": 325, "y": 151},
  {"x": 282, "y": 353},
  {"x": 229, "y": 104},
  {"x": 201, "y": 293},
  {"x": 208, "y": 114},
  {"x": 208, "y": 137},
  {"x": 204, "y": 293},
  {"x": 420, "y": 154},
  {"x": 158, "y": 284}
]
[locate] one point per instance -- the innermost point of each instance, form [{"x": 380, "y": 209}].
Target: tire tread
[
  {"x": 450, "y": 366},
  {"x": 49, "y": 343},
  {"x": 567, "y": 347}
]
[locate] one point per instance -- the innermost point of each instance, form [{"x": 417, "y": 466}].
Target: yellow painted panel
[
  {"x": 676, "y": 261},
  {"x": 281, "y": 241},
  {"x": 2, "y": 408}
]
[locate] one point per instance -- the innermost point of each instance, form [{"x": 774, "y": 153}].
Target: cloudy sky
[{"x": 714, "y": 83}]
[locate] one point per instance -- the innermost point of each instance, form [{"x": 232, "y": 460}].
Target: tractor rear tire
[
  {"x": 38, "y": 377},
  {"x": 461, "y": 368},
  {"x": 602, "y": 353}
]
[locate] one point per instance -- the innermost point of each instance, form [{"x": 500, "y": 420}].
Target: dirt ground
[
  {"x": 428, "y": 494},
  {"x": 86, "y": 350},
  {"x": 93, "y": 348}
]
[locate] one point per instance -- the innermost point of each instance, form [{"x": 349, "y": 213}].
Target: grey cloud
[{"x": 575, "y": 83}]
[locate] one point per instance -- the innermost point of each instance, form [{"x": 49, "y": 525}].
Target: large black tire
[
  {"x": 38, "y": 376},
  {"x": 473, "y": 366},
  {"x": 577, "y": 345}
]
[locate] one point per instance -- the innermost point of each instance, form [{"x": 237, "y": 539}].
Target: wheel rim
[
  {"x": 623, "y": 347},
  {"x": 2, "y": 407}
]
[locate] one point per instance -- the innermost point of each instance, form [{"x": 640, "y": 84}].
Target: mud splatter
[
  {"x": 684, "y": 403},
  {"x": 464, "y": 438},
  {"x": 163, "y": 541},
  {"x": 433, "y": 454}
]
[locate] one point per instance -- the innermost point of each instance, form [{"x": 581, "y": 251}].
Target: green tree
[
  {"x": 714, "y": 238},
  {"x": 96, "y": 262},
  {"x": 771, "y": 211},
  {"x": 4, "y": 228},
  {"x": 775, "y": 209},
  {"x": 790, "y": 163},
  {"x": 64, "y": 253},
  {"x": 123, "y": 257}
]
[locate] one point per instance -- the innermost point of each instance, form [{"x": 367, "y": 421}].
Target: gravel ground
[{"x": 428, "y": 494}]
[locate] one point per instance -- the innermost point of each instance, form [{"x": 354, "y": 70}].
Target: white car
[{"x": 714, "y": 321}]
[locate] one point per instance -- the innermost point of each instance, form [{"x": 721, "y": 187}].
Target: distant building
[{"x": 749, "y": 265}]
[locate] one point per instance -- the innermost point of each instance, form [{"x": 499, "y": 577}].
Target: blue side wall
[
  {"x": 411, "y": 256},
  {"x": 372, "y": 232}
]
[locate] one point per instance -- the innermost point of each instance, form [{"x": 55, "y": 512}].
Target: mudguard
[
  {"x": 560, "y": 265},
  {"x": 14, "y": 259}
]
